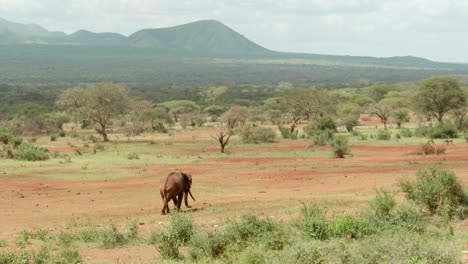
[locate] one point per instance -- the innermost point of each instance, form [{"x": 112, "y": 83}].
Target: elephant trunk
[{"x": 191, "y": 195}]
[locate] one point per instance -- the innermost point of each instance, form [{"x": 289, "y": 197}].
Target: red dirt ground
[{"x": 225, "y": 186}]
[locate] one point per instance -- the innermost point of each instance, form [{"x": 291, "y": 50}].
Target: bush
[
  {"x": 314, "y": 224},
  {"x": 180, "y": 231},
  {"x": 384, "y": 135},
  {"x": 438, "y": 190},
  {"x": 93, "y": 139},
  {"x": 5, "y": 136},
  {"x": 210, "y": 244},
  {"x": 340, "y": 147},
  {"x": 111, "y": 237},
  {"x": 258, "y": 135},
  {"x": 286, "y": 133},
  {"x": 133, "y": 156},
  {"x": 6, "y": 152},
  {"x": 53, "y": 138},
  {"x": 320, "y": 124},
  {"x": 438, "y": 131},
  {"x": 400, "y": 247},
  {"x": 250, "y": 226},
  {"x": 347, "y": 226},
  {"x": 405, "y": 132},
  {"x": 431, "y": 149},
  {"x": 383, "y": 204},
  {"x": 32, "y": 153},
  {"x": 321, "y": 138},
  {"x": 99, "y": 147},
  {"x": 61, "y": 133}
]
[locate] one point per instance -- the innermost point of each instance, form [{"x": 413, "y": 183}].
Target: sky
[{"x": 433, "y": 29}]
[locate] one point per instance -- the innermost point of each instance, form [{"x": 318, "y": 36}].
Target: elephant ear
[{"x": 188, "y": 179}]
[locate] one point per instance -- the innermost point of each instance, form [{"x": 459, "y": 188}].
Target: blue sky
[{"x": 434, "y": 29}]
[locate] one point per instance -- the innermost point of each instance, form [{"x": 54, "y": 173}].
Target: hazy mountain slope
[
  {"x": 206, "y": 36},
  {"x": 27, "y": 30},
  {"x": 84, "y": 37}
]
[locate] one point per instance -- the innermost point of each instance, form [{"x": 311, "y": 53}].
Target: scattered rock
[{"x": 78, "y": 193}]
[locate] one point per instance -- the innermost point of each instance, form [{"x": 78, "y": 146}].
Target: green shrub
[
  {"x": 61, "y": 133},
  {"x": 111, "y": 237},
  {"x": 258, "y": 135},
  {"x": 88, "y": 235},
  {"x": 320, "y": 124},
  {"x": 350, "y": 122},
  {"x": 406, "y": 132},
  {"x": 401, "y": 247},
  {"x": 131, "y": 230},
  {"x": 347, "y": 226},
  {"x": 180, "y": 231},
  {"x": 340, "y": 147},
  {"x": 166, "y": 243},
  {"x": 444, "y": 131},
  {"x": 314, "y": 224},
  {"x": 65, "y": 239},
  {"x": 438, "y": 131},
  {"x": 438, "y": 190},
  {"x": 32, "y": 153},
  {"x": 407, "y": 217},
  {"x": 17, "y": 141},
  {"x": 93, "y": 139},
  {"x": 7, "y": 152},
  {"x": 383, "y": 204},
  {"x": 384, "y": 135},
  {"x": 98, "y": 146},
  {"x": 68, "y": 256},
  {"x": 53, "y": 138},
  {"x": 133, "y": 156},
  {"x": 250, "y": 226},
  {"x": 208, "y": 244},
  {"x": 363, "y": 136},
  {"x": 321, "y": 138},
  {"x": 303, "y": 253},
  {"x": 5, "y": 136},
  {"x": 286, "y": 133}
]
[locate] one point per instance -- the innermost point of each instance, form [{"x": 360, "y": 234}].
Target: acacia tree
[
  {"x": 301, "y": 104},
  {"x": 179, "y": 107},
  {"x": 158, "y": 118},
  {"x": 460, "y": 114},
  {"x": 382, "y": 111},
  {"x": 439, "y": 95},
  {"x": 97, "y": 103},
  {"x": 236, "y": 115},
  {"x": 400, "y": 116}
]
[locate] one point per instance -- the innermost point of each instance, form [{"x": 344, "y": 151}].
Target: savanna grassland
[{"x": 99, "y": 202}]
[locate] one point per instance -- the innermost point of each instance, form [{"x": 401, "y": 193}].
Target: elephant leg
[
  {"x": 175, "y": 202},
  {"x": 186, "y": 200},
  {"x": 179, "y": 201},
  {"x": 163, "y": 210}
]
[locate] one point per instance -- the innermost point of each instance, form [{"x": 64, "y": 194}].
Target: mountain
[
  {"x": 84, "y": 37},
  {"x": 25, "y": 32},
  {"x": 205, "y": 52},
  {"x": 201, "y": 37}
]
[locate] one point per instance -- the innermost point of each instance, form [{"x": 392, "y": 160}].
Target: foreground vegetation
[{"x": 384, "y": 232}]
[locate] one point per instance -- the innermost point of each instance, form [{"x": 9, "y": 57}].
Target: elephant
[{"x": 173, "y": 187}]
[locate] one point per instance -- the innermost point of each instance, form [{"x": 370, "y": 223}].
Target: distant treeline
[{"x": 72, "y": 65}]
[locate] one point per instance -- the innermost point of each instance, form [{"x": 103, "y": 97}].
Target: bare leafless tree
[{"x": 223, "y": 139}]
